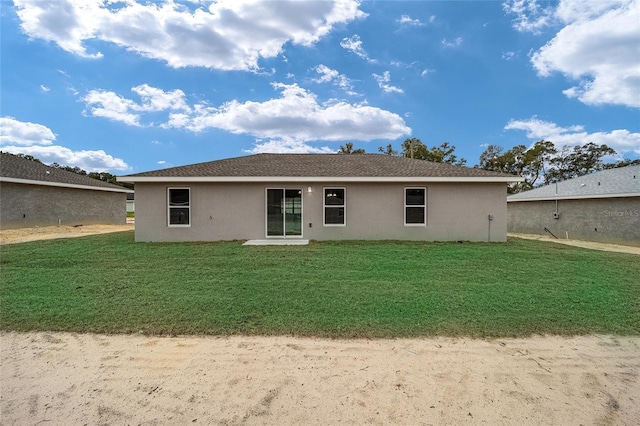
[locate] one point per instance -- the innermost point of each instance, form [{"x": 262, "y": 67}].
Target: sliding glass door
[{"x": 284, "y": 212}]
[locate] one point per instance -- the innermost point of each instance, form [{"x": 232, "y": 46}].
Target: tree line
[{"x": 540, "y": 164}]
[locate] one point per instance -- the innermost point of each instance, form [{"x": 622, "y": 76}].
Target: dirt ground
[
  {"x": 22, "y": 235},
  {"x": 68, "y": 379},
  {"x": 584, "y": 244},
  {"x": 75, "y": 379}
]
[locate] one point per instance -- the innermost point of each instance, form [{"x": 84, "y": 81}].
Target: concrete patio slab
[{"x": 279, "y": 242}]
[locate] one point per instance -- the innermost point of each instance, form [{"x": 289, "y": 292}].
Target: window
[
  {"x": 179, "y": 206},
  {"x": 334, "y": 206},
  {"x": 415, "y": 206}
]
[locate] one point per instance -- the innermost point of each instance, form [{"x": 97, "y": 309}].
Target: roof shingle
[
  {"x": 320, "y": 165},
  {"x": 14, "y": 167},
  {"x": 623, "y": 181}
]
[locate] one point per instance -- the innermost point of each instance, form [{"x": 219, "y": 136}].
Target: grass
[{"x": 109, "y": 284}]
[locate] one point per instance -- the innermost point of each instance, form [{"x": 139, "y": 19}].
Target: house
[
  {"x": 131, "y": 204},
  {"x": 321, "y": 197},
  {"x": 34, "y": 194},
  {"x": 602, "y": 206}
]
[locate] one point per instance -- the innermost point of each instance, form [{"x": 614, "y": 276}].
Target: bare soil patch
[
  {"x": 22, "y": 235},
  {"x": 61, "y": 378},
  {"x": 579, "y": 243}
]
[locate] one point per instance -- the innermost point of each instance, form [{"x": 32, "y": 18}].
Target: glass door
[{"x": 284, "y": 213}]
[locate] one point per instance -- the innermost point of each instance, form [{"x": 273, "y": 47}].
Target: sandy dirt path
[
  {"x": 579, "y": 243},
  {"x": 75, "y": 379},
  {"x": 23, "y": 235}
]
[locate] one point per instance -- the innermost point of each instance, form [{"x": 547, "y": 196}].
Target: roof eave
[
  {"x": 223, "y": 179},
  {"x": 62, "y": 185},
  {"x": 574, "y": 197}
]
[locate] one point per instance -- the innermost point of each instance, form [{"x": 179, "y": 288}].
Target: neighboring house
[
  {"x": 321, "y": 197},
  {"x": 131, "y": 205},
  {"x": 34, "y": 194},
  {"x": 602, "y": 206}
]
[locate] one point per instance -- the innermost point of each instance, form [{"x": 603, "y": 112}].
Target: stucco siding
[
  {"x": 35, "y": 205},
  {"x": 236, "y": 211},
  {"x": 610, "y": 220}
]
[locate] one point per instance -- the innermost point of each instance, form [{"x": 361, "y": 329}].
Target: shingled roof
[
  {"x": 20, "y": 170},
  {"x": 611, "y": 183},
  {"x": 315, "y": 167}
]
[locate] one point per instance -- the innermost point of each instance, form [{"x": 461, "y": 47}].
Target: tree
[
  {"x": 105, "y": 177},
  {"x": 577, "y": 161},
  {"x": 444, "y": 154},
  {"x": 622, "y": 163},
  {"x": 77, "y": 170},
  {"x": 348, "y": 149},
  {"x": 388, "y": 150},
  {"x": 27, "y": 157},
  {"x": 525, "y": 162},
  {"x": 414, "y": 148},
  {"x": 491, "y": 159}
]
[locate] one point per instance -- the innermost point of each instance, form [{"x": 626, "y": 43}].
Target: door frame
[{"x": 284, "y": 226}]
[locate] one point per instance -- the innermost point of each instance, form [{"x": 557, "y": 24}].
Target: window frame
[
  {"x": 169, "y": 207},
  {"x": 337, "y": 206},
  {"x": 424, "y": 206}
]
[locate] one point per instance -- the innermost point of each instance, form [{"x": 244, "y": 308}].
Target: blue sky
[{"x": 126, "y": 86}]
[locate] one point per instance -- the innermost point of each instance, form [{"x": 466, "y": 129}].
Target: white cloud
[
  {"x": 406, "y": 20},
  {"x": 452, "y": 43},
  {"x": 24, "y": 133},
  {"x": 44, "y": 88},
  {"x": 37, "y": 140},
  {"x": 294, "y": 116},
  {"x": 287, "y": 146},
  {"x": 383, "y": 81},
  {"x": 224, "y": 34},
  {"x": 91, "y": 161},
  {"x": 102, "y": 103},
  {"x": 154, "y": 99},
  {"x": 162, "y": 162},
  {"x": 509, "y": 56},
  {"x": 621, "y": 140},
  {"x": 530, "y": 16},
  {"x": 597, "y": 47},
  {"x": 328, "y": 75},
  {"x": 354, "y": 45}
]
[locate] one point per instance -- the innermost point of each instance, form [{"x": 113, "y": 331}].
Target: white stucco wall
[{"x": 236, "y": 211}]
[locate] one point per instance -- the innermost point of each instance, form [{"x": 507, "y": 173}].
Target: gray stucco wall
[
  {"x": 236, "y": 211},
  {"x": 610, "y": 220},
  {"x": 34, "y": 205}
]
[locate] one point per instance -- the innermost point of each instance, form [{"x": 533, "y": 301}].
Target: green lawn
[{"x": 109, "y": 284}]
